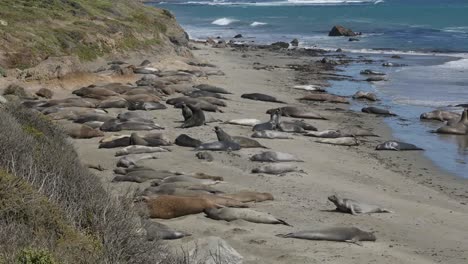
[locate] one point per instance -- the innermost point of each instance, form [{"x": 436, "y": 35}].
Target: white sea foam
[
  {"x": 224, "y": 21},
  {"x": 256, "y": 24},
  {"x": 309, "y": 87},
  {"x": 284, "y": 3}
]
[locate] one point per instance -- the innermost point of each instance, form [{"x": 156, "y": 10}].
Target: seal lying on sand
[
  {"x": 155, "y": 230},
  {"x": 184, "y": 140},
  {"x": 342, "y": 141},
  {"x": 139, "y": 150},
  {"x": 271, "y": 135},
  {"x": 249, "y": 215},
  {"x": 81, "y": 131},
  {"x": 197, "y": 118},
  {"x": 377, "y": 111},
  {"x": 219, "y": 146},
  {"x": 354, "y": 207},
  {"x": 131, "y": 160},
  {"x": 278, "y": 168},
  {"x": 168, "y": 206},
  {"x": 459, "y": 128},
  {"x": 325, "y": 98},
  {"x": 211, "y": 88},
  {"x": 202, "y": 104},
  {"x": 261, "y": 97},
  {"x": 327, "y": 134},
  {"x": 395, "y": 145},
  {"x": 248, "y": 196},
  {"x": 244, "y": 122},
  {"x": 270, "y": 125},
  {"x": 297, "y": 112},
  {"x": 244, "y": 142},
  {"x": 439, "y": 115},
  {"x": 365, "y": 95},
  {"x": 339, "y": 234},
  {"x": 273, "y": 156}
]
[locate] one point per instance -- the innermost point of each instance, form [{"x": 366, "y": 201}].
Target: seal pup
[
  {"x": 396, "y": 145},
  {"x": 275, "y": 169},
  {"x": 440, "y": 115},
  {"x": 261, "y": 97},
  {"x": 211, "y": 88},
  {"x": 270, "y": 125},
  {"x": 139, "y": 150},
  {"x": 274, "y": 156},
  {"x": 242, "y": 141},
  {"x": 338, "y": 234},
  {"x": 297, "y": 112},
  {"x": 354, "y": 207},
  {"x": 342, "y": 141},
  {"x": 184, "y": 140},
  {"x": 244, "y": 122},
  {"x": 248, "y": 196},
  {"x": 155, "y": 231},
  {"x": 365, "y": 95},
  {"x": 249, "y": 215},
  {"x": 269, "y": 134},
  {"x": 169, "y": 206},
  {"x": 377, "y": 111},
  {"x": 197, "y": 118},
  {"x": 219, "y": 146}
]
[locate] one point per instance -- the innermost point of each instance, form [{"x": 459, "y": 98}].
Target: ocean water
[{"x": 430, "y": 35}]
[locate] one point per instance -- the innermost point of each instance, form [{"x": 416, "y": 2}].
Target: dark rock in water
[
  {"x": 396, "y": 57},
  {"x": 462, "y": 105},
  {"x": 375, "y": 79},
  {"x": 238, "y": 36},
  {"x": 280, "y": 45},
  {"x": 205, "y": 156},
  {"x": 354, "y": 39},
  {"x": 339, "y": 50},
  {"x": 338, "y": 31},
  {"x": 295, "y": 42}
]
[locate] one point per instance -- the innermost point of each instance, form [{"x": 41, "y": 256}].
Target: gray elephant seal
[
  {"x": 395, "y": 145},
  {"x": 354, "y": 207},
  {"x": 269, "y": 134},
  {"x": 186, "y": 111},
  {"x": 248, "y": 196},
  {"x": 244, "y": 122},
  {"x": 242, "y": 141},
  {"x": 131, "y": 160},
  {"x": 270, "y": 125},
  {"x": 371, "y": 72},
  {"x": 330, "y": 98},
  {"x": 199, "y": 93},
  {"x": 249, "y": 215},
  {"x": 197, "y": 118},
  {"x": 273, "y": 156},
  {"x": 365, "y": 95},
  {"x": 211, "y": 88},
  {"x": 439, "y": 115},
  {"x": 219, "y": 146},
  {"x": 202, "y": 104},
  {"x": 115, "y": 143},
  {"x": 147, "y": 106},
  {"x": 275, "y": 169},
  {"x": 155, "y": 230},
  {"x": 326, "y": 134},
  {"x": 81, "y": 131},
  {"x": 459, "y": 128},
  {"x": 139, "y": 150},
  {"x": 261, "y": 97},
  {"x": 339, "y": 234},
  {"x": 342, "y": 141},
  {"x": 297, "y": 112},
  {"x": 377, "y": 111},
  {"x": 184, "y": 140}
]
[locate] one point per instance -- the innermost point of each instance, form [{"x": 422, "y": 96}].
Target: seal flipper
[
  {"x": 285, "y": 235},
  {"x": 283, "y": 222},
  {"x": 354, "y": 241}
]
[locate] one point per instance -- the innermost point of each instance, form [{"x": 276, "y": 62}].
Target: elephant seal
[
  {"x": 184, "y": 140},
  {"x": 365, "y": 95},
  {"x": 270, "y": 125},
  {"x": 439, "y": 115},
  {"x": 220, "y": 200},
  {"x": 261, "y": 97},
  {"x": 214, "y": 101},
  {"x": 244, "y": 122},
  {"x": 155, "y": 231},
  {"x": 81, "y": 131},
  {"x": 290, "y": 127},
  {"x": 140, "y": 176},
  {"x": 202, "y": 104},
  {"x": 354, "y": 207},
  {"x": 135, "y": 116},
  {"x": 94, "y": 124},
  {"x": 197, "y": 118},
  {"x": 271, "y": 134},
  {"x": 300, "y": 123},
  {"x": 273, "y": 156},
  {"x": 186, "y": 111},
  {"x": 249, "y": 215},
  {"x": 116, "y": 142},
  {"x": 219, "y": 146},
  {"x": 147, "y": 106},
  {"x": 168, "y": 206},
  {"x": 342, "y": 141},
  {"x": 211, "y": 88},
  {"x": 205, "y": 156},
  {"x": 456, "y": 128},
  {"x": 199, "y": 93},
  {"x": 156, "y": 139},
  {"x": 139, "y": 150},
  {"x": 377, "y": 111},
  {"x": 371, "y": 72},
  {"x": 278, "y": 168},
  {"x": 131, "y": 160},
  {"x": 248, "y": 196},
  {"x": 186, "y": 178},
  {"x": 330, "y": 98},
  {"x": 327, "y": 134},
  {"x": 338, "y": 234},
  {"x": 87, "y": 117},
  {"x": 242, "y": 141},
  {"x": 115, "y": 125},
  {"x": 395, "y": 145},
  {"x": 297, "y": 112},
  {"x": 70, "y": 102}
]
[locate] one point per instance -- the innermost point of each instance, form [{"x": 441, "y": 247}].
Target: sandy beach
[{"x": 429, "y": 220}]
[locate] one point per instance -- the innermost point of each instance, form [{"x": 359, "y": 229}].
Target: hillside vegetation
[{"x": 33, "y": 30}]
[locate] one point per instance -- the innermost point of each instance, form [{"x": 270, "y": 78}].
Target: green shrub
[{"x": 35, "y": 256}]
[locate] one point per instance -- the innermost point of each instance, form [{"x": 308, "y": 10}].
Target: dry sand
[{"x": 430, "y": 220}]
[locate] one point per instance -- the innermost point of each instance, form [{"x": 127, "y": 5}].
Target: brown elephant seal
[
  {"x": 270, "y": 125},
  {"x": 297, "y": 112},
  {"x": 141, "y": 175},
  {"x": 330, "y": 98},
  {"x": 168, "y": 206},
  {"x": 203, "y": 105},
  {"x": 458, "y": 128},
  {"x": 242, "y": 141},
  {"x": 440, "y": 115},
  {"x": 396, "y": 145},
  {"x": 197, "y": 118},
  {"x": 88, "y": 117},
  {"x": 365, "y": 95},
  {"x": 147, "y": 106},
  {"x": 342, "y": 141},
  {"x": 244, "y": 122},
  {"x": 221, "y": 200},
  {"x": 211, "y": 88},
  {"x": 135, "y": 116},
  {"x": 339, "y": 234},
  {"x": 289, "y": 127},
  {"x": 70, "y": 102},
  {"x": 94, "y": 92},
  {"x": 186, "y": 178},
  {"x": 186, "y": 111},
  {"x": 249, "y": 215},
  {"x": 81, "y": 131},
  {"x": 269, "y": 134},
  {"x": 131, "y": 160},
  {"x": 219, "y": 146},
  {"x": 261, "y": 97},
  {"x": 248, "y": 196},
  {"x": 115, "y": 142},
  {"x": 214, "y": 101},
  {"x": 184, "y": 140},
  {"x": 279, "y": 168},
  {"x": 156, "y": 231},
  {"x": 354, "y": 207},
  {"x": 274, "y": 156},
  {"x": 199, "y": 93},
  {"x": 377, "y": 111},
  {"x": 139, "y": 150}
]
